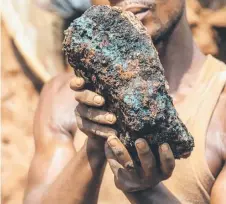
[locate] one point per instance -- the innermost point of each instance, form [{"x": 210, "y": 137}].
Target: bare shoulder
[{"x": 55, "y": 112}]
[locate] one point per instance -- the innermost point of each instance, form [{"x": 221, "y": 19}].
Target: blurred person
[{"x": 69, "y": 168}]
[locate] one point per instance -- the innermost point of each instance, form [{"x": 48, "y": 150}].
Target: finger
[
  {"x": 90, "y": 127},
  {"x": 121, "y": 153},
  {"x": 112, "y": 160},
  {"x": 146, "y": 157},
  {"x": 89, "y": 98},
  {"x": 77, "y": 83},
  {"x": 167, "y": 161},
  {"x": 95, "y": 115}
]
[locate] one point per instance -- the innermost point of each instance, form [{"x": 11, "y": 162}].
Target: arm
[
  {"x": 158, "y": 195},
  {"x": 219, "y": 188},
  {"x": 55, "y": 171},
  {"x": 218, "y": 191}
]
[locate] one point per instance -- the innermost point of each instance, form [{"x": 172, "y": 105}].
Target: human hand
[
  {"x": 129, "y": 178},
  {"x": 90, "y": 119}
]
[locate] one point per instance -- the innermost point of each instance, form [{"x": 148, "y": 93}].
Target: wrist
[
  {"x": 93, "y": 149},
  {"x": 158, "y": 194},
  {"x": 95, "y": 146}
]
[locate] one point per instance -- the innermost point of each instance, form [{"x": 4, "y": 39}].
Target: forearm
[
  {"x": 79, "y": 181},
  {"x": 158, "y": 195}
]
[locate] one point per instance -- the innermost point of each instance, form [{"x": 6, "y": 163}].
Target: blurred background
[{"x": 31, "y": 55}]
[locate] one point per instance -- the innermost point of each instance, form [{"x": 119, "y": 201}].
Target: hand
[
  {"x": 90, "y": 119},
  {"x": 131, "y": 179}
]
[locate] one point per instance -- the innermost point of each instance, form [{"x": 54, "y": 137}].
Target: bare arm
[
  {"x": 55, "y": 171},
  {"x": 218, "y": 195},
  {"x": 158, "y": 195},
  {"x": 218, "y": 191}
]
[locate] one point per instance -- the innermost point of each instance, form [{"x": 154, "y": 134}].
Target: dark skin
[{"x": 61, "y": 154}]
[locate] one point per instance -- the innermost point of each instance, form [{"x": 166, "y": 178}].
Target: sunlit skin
[{"x": 75, "y": 177}]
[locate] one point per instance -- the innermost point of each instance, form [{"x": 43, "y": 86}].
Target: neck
[{"x": 180, "y": 57}]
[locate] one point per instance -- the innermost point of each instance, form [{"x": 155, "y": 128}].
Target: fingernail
[
  {"x": 142, "y": 145},
  {"x": 78, "y": 82},
  {"x": 110, "y": 117},
  {"x": 98, "y": 99},
  {"x": 164, "y": 147},
  {"x": 113, "y": 142}
]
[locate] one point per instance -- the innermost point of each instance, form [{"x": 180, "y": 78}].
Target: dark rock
[{"x": 115, "y": 55}]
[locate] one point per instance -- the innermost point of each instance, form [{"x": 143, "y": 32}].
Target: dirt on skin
[{"x": 19, "y": 100}]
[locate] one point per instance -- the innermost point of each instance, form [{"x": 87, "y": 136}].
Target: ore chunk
[{"x": 112, "y": 51}]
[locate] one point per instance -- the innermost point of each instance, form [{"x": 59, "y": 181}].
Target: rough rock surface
[{"x": 113, "y": 52}]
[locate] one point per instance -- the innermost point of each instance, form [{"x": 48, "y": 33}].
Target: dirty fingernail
[
  {"x": 98, "y": 99},
  {"x": 164, "y": 147},
  {"x": 142, "y": 145},
  {"x": 110, "y": 118}
]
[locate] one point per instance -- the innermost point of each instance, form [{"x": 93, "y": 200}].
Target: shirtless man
[{"x": 67, "y": 168}]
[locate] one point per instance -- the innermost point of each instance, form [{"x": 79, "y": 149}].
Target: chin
[
  {"x": 160, "y": 31},
  {"x": 160, "y": 17}
]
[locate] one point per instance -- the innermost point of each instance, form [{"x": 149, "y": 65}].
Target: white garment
[{"x": 64, "y": 8}]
